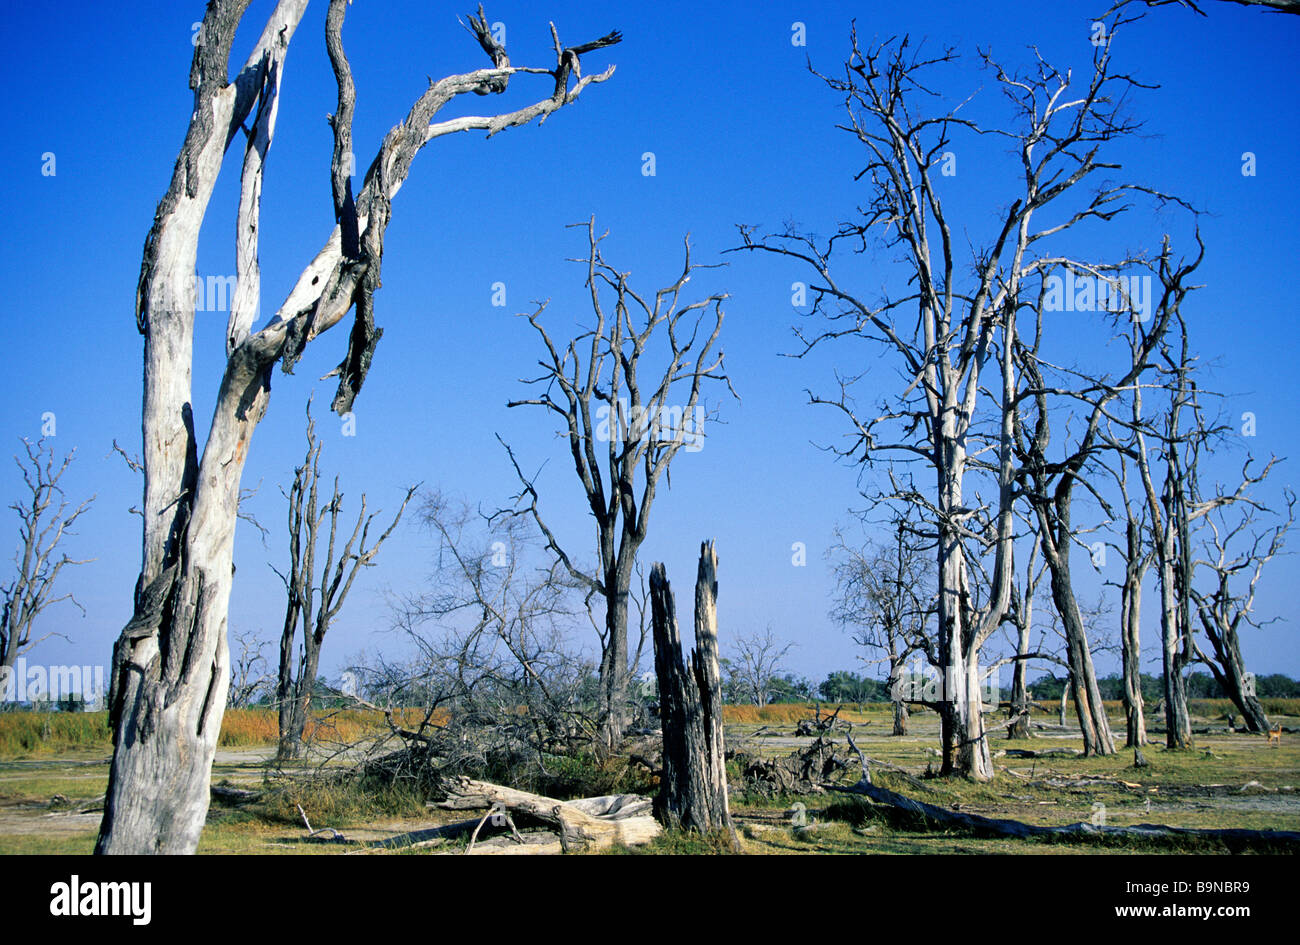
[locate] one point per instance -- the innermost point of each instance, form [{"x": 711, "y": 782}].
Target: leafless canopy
[
  {"x": 624, "y": 425},
  {"x": 45, "y": 516},
  {"x": 307, "y": 525},
  {"x": 493, "y": 649},
  {"x": 757, "y": 660},
  {"x": 951, "y": 314}
]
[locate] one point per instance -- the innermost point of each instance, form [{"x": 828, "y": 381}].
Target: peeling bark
[{"x": 170, "y": 671}]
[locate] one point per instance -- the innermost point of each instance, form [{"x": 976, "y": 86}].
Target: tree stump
[{"x": 693, "y": 792}]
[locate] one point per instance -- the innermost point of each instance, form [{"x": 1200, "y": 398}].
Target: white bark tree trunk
[{"x": 170, "y": 672}]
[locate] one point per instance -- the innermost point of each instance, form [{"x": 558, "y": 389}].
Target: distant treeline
[{"x": 843, "y": 686}]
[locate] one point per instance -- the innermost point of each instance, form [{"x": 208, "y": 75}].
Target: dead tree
[
  {"x": 1137, "y": 554},
  {"x": 693, "y": 791},
  {"x": 1233, "y": 551},
  {"x": 170, "y": 665},
  {"x": 1022, "y": 619},
  {"x": 45, "y": 516},
  {"x": 296, "y": 680},
  {"x": 759, "y": 659},
  {"x": 617, "y": 409},
  {"x": 955, "y": 312},
  {"x": 249, "y": 674},
  {"x": 1180, "y": 432},
  {"x": 493, "y": 629},
  {"x": 884, "y": 594},
  {"x": 1049, "y": 484}
]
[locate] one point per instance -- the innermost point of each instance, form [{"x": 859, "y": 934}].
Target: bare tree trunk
[
  {"x": 1088, "y": 705},
  {"x": 613, "y": 709},
  {"x": 1174, "y": 659},
  {"x": 1230, "y": 670},
  {"x": 291, "y": 739},
  {"x": 899, "y": 704},
  {"x": 1130, "y": 624},
  {"x": 964, "y": 747},
  {"x": 284, "y": 690},
  {"x": 1020, "y": 707},
  {"x": 170, "y": 664},
  {"x": 693, "y": 792}
]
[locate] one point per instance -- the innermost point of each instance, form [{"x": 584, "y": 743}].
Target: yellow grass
[
  {"x": 788, "y": 713},
  {"x": 262, "y": 726}
]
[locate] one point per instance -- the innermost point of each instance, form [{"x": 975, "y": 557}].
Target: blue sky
[{"x": 741, "y": 133}]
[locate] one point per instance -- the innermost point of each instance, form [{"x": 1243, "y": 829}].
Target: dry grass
[
  {"x": 41, "y": 733},
  {"x": 789, "y": 713},
  {"x": 249, "y": 727}
]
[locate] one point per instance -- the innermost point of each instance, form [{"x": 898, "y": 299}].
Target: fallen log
[
  {"x": 1043, "y": 752},
  {"x": 998, "y": 827},
  {"x": 585, "y": 824},
  {"x": 234, "y": 795},
  {"x": 424, "y": 837}
]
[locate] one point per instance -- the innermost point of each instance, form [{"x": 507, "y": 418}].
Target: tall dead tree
[
  {"x": 693, "y": 790},
  {"x": 954, "y": 313},
  {"x": 1022, "y": 619},
  {"x": 249, "y": 670},
  {"x": 45, "y": 517},
  {"x": 1050, "y": 483},
  {"x": 1137, "y": 554},
  {"x": 299, "y": 664},
  {"x": 1170, "y": 524},
  {"x": 1235, "y": 553},
  {"x": 1179, "y": 434},
  {"x": 884, "y": 593},
  {"x": 170, "y": 664},
  {"x": 627, "y": 405}
]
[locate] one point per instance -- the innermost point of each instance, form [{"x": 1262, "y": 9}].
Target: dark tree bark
[
  {"x": 605, "y": 400},
  {"x": 693, "y": 792}
]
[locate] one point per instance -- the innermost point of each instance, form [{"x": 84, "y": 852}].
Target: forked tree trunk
[
  {"x": 1130, "y": 624},
  {"x": 964, "y": 745},
  {"x": 170, "y": 672},
  {"x": 1088, "y": 705},
  {"x": 693, "y": 793},
  {"x": 168, "y": 702},
  {"x": 900, "y": 711},
  {"x": 1057, "y": 537},
  {"x": 1230, "y": 671},
  {"x": 292, "y": 734}
]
